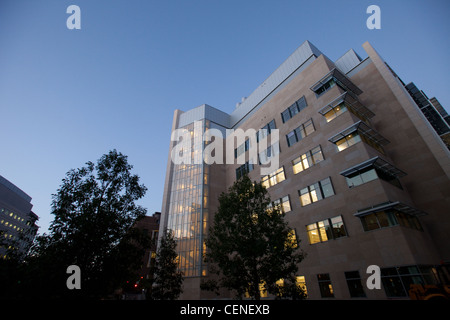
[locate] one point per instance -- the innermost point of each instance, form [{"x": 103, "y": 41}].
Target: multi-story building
[
  {"x": 17, "y": 222},
  {"x": 135, "y": 289},
  {"x": 362, "y": 175}
]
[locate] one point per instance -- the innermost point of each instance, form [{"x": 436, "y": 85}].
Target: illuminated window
[
  {"x": 315, "y": 192},
  {"x": 346, "y": 102},
  {"x": 300, "y": 281},
  {"x": 348, "y": 141},
  {"x": 357, "y": 132},
  {"x": 325, "y": 230},
  {"x": 273, "y": 178},
  {"x": 307, "y": 160},
  {"x": 282, "y": 204},
  {"x": 292, "y": 239},
  {"x": 389, "y": 218},
  {"x": 335, "y": 112},
  {"x": 326, "y": 289}
]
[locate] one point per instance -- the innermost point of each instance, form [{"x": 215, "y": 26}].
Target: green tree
[
  {"x": 167, "y": 284},
  {"x": 94, "y": 212},
  {"x": 250, "y": 246}
]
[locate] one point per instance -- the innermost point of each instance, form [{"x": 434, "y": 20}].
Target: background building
[
  {"x": 17, "y": 222},
  {"x": 363, "y": 176},
  {"x": 137, "y": 290}
]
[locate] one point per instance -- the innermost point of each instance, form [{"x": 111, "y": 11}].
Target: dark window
[
  {"x": 302, "y": 131},
  {"x": 295, "y": 108},
  {"x": 326, "y": 289},
  {"x": 242, "y": 170},
  {"x": 354, "y": 284}
]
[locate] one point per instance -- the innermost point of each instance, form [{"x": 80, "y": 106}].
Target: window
[
  {"x": 397, "y": 280},
  {"x": 264, "y": 157},
  {"x": 361, "y": 177},
  {"x": 307, "y": 160},
  {"x": 344, "y": 102},
  {"x": 354, "y": 284},
  {"x": 326, "y": 289},
  {"x": 332, "y": 78},
  {"x": 348, "y": 141},
  {"x": 335, "y": 111},
  {"x": 274, "y": 178},
  {"x": 242, "y": 170},
  {"x": 292, "y": 240},
  {"x": 299, "y": 282},
  {"x": 315, "y": 192},
  {"x": 325, "y": 230},
  {"x": 242, "y": 148},
  {"x": 282, "y": 204},
  {"x": 300, "y": 132},
  {"x": 325, "y": 87},
  {"x": 265, "y": 131},
  {"x": 295, "y": 108},
  {"x": 389, "y": 218},
  {"x": 373, "y": 169},
  {"x": 357, "y": 132}
]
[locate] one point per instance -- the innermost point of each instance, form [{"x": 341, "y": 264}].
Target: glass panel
[
  {"x": 369, "y": 175},
  {"x": 313, "y": 234},
  {"x": 393, "y": 286},
  {"x": 330, "y": 115},
  {"x": 326, "y": 289},
  {"x": 309, "y": 127},
  {"x": 356, "y": 288},
  {"x": 323, "y": 226},
  {"x": 370, "y": 222},
  {"x": 300, "y": 133},
  {"x": 291, "y": 138},
  {"x": 342, "y": 144},
  {"x": 280, "y": 175},
  {"x": 354, "y": 180},
  {"x": 353, "y": 138},
  {"x": 305, "y": 199},
  {"x": 382, "y": 219},
  {"x": 315, "y": 192},
  {"x": 297, "y": 165},
  {"x": 300, "y": 281},
  {"x": 306, "y": 160},
  {"x": 317, "y": 154},
  {"x": 286, "y": 205},
  {"x": 338, "y": 227},
  {"x": 285, "y": 115},
  {"x": 327, "y": 187}
]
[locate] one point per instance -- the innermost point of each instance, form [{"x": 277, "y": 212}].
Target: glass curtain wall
[{"x": 189, "y": 205}]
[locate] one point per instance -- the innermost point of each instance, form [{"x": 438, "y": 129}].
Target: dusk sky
[{"x": 70, "y": 96}]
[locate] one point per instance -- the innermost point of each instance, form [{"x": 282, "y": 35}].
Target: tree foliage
[
  {"x": 168, "y": 280},
  {"x": 251, "y": 247},
  {"x": 94, "y": 211}
]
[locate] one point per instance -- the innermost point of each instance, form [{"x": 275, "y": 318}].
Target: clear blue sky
[{"x": 69, "y": 96}]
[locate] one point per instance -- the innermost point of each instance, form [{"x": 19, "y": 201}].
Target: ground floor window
[
  {"x": 354, "y": 284},
  {"x": 326, "y": 289}
]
